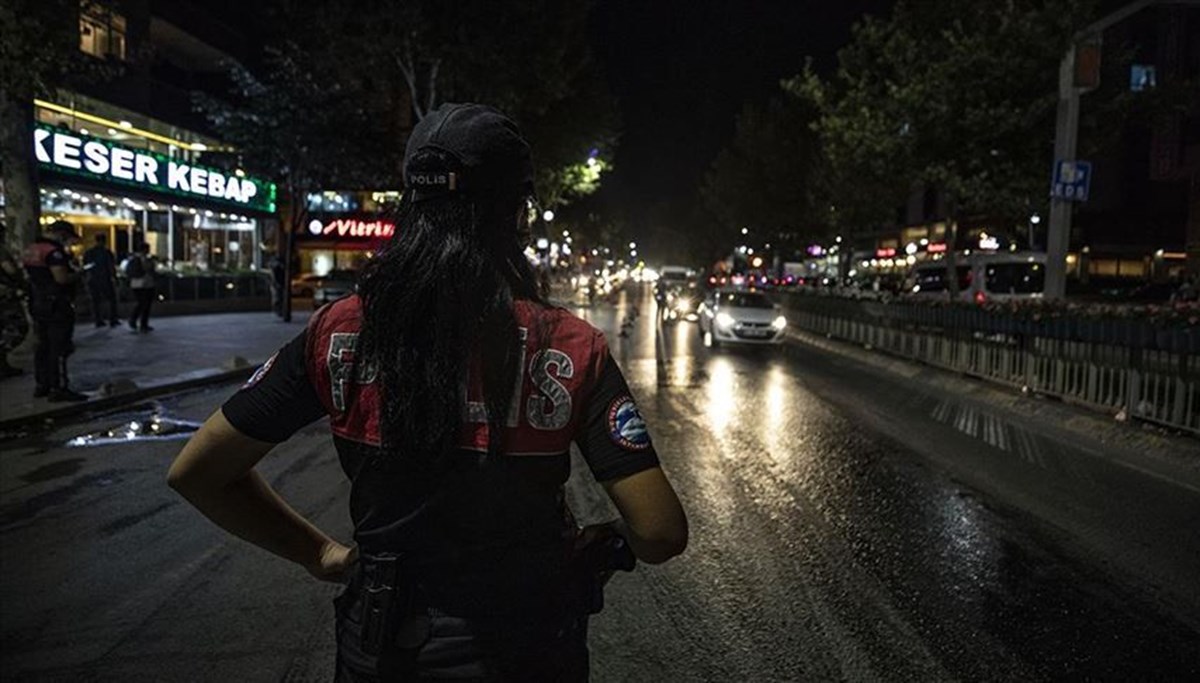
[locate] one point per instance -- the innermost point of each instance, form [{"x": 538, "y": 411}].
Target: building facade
[{"x": 129, "y": 158}]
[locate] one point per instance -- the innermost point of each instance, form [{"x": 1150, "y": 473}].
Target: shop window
[
  {"x": 1105, "y": 267},
  {"x": 101, "y": 32},
  {"x": 1128, "y": 268}
]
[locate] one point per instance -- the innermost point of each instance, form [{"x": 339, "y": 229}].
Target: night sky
[{"x": 682, "y": 69}]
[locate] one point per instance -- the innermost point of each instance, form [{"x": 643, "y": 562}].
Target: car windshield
[
  {"x": 739, "y": 300},
  {"x": 341, "y": 275}
]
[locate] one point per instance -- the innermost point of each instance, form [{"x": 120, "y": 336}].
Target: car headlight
[
  {"x": 725, "y": 320},
  {"x": 683, "y": 305},
  {"x": 779, "y": 323}
]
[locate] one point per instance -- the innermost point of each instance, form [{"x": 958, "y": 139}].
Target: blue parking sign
[{"x": 1072, "y": 180}]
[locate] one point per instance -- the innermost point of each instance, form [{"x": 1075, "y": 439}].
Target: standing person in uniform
[
  {"x": 14, "y": 289},
  {"x": 140, "y": 269},
  {"x": 101, "y": 268},
  {"x": 53, "y": 280},
  {"x": 454, "y": 392}
]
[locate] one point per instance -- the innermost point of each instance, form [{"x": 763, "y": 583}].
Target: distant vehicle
[
  {"x": 736, "y": 316},
  {"x": 303, "y": 286},
  {"x": 333, "y": 286},
  {"x": 982, "y": 278},
  {"x": 675, "y": 275},
  {"x": 682, "y": 303}
]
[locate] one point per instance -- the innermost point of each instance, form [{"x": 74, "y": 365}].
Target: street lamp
[
  {"x": 633, "y": 245},
  {"x": 548, "y": 215},
  {"x": 745, "y": 231}
]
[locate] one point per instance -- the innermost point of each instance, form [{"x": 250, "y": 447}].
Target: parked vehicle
[
  {"x": 738, "y": 316},
  {"x": 304, "y": 285},
  {"x": 982, "y": 277},
  {"x": 334, "y": 285}
]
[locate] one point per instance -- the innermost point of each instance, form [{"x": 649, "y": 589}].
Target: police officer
[
  {"x": 454, "y": 392},
  {"x": 53, "y": 280}
]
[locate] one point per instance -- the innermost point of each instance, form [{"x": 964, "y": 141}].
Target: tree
[
  {"x": 765, "y": 177},
  {"x": 301, "y": 123},
  {"x": 39, "y": 53},
  {"x": 960, "y": 98},
  {"x": 529, "y": 58}
]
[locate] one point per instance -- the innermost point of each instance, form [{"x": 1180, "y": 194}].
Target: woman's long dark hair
[{"x": 442, "y": 290}]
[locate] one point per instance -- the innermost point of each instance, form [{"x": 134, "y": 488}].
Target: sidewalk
[{"x": 115, "y": 364}]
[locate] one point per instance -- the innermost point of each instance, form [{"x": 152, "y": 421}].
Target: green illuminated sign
[{"x": 104, "y": 160}]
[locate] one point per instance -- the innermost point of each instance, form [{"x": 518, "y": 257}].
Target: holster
[
  {"x": 591, "y": 567},
  {"x": 387, "y": 598}
]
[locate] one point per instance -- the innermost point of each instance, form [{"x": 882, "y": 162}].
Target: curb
[
  {"x": 187, "y": 380},
  {"x": 1165, "y": 452}
]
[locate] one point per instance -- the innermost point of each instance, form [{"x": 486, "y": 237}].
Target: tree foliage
[
  {"x": 957, "y": 97},
  {"x": 39, "y": 53},
  {"x": 528, "y": 58},
  {"x": 765, "y": 177}
]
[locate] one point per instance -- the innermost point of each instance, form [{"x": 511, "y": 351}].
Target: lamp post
[{"x": 1066, "y": 133}]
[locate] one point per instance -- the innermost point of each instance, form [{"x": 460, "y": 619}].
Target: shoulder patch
[
  {"x": 626, "y": 427},
  {"x": 261, "y": 371}
]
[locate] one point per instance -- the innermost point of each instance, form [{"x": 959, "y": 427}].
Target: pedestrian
[
  {"x": 278, "y": 282},
  {"x": 53, "y": 279},
  {"x": 14, "y": 290},
  {"x": 100, "y": 267},
  {"x": 453, "y": 393},
  {"x": 139, "y": 268}
]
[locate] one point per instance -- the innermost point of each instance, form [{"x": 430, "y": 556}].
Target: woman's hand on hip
[{"x": 334, "y": 562}]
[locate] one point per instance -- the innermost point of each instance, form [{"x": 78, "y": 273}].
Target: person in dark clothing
[
  {"x": 140, "y": 269},
  {"x": 53, "y": 279},
  {"x": 278, "y": 282},
  {"x": 101, "y": 268},
  {"x": 454, "y": 393}
]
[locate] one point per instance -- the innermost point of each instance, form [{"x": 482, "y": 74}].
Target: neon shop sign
[
  {"x": 103, "y": 160},
  {"x": 354, "y": 228}
]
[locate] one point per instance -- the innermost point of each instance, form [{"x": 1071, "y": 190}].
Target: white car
[{"x": 736, "y": 316}]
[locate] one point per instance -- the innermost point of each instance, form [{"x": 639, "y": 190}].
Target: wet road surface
[{"x": 846, "y": 524}]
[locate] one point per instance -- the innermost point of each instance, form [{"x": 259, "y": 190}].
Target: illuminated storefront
[
  {"x": 131, "y": 184},
  {"x": 344, "y": 230}
]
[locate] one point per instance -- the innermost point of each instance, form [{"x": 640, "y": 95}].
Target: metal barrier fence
[{"x": 1154, "y": 384}]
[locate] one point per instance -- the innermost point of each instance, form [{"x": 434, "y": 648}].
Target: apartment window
[{"x": 101, "y": 33}]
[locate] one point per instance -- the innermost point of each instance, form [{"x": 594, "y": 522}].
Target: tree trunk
[
  {"x": 297, "y": 210},
  {"x": 952, "y": 257},
  {"x": 952, "y": 248},
  {"x": 22, "y": 207}
]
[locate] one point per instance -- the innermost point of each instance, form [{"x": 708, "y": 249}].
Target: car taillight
[{"x": 980, "y": 297}]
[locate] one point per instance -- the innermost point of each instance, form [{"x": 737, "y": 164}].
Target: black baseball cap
[
  {"x": 62, "y": 227},
  {"x": 471, "y": 149}
]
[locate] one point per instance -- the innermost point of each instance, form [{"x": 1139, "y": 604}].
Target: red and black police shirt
[
  {"x": 38, "y": 258},
  {"x": 490, "y": 536}
]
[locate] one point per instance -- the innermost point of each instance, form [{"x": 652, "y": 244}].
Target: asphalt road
[{"x": 847, "y": 523}]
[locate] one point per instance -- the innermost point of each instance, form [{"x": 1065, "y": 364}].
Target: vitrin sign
[
  {"x": 355, "y": 228},
  {"x": 106, "y": 161}
]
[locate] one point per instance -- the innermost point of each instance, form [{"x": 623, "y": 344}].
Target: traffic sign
[{"x": 1072, "y": 180}]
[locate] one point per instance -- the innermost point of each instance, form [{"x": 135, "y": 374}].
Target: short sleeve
[
  {"x": 613, "y": 436},
  {"x": 278, "y": 399}
]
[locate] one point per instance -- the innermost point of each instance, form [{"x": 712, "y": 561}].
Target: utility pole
[{"x": 1058, "y": 237}]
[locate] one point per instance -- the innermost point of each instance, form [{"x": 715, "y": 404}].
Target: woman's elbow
[{"x": 665, "y": 546}]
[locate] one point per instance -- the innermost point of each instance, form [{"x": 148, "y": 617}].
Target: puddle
[{"x": 152, "y": 427}]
